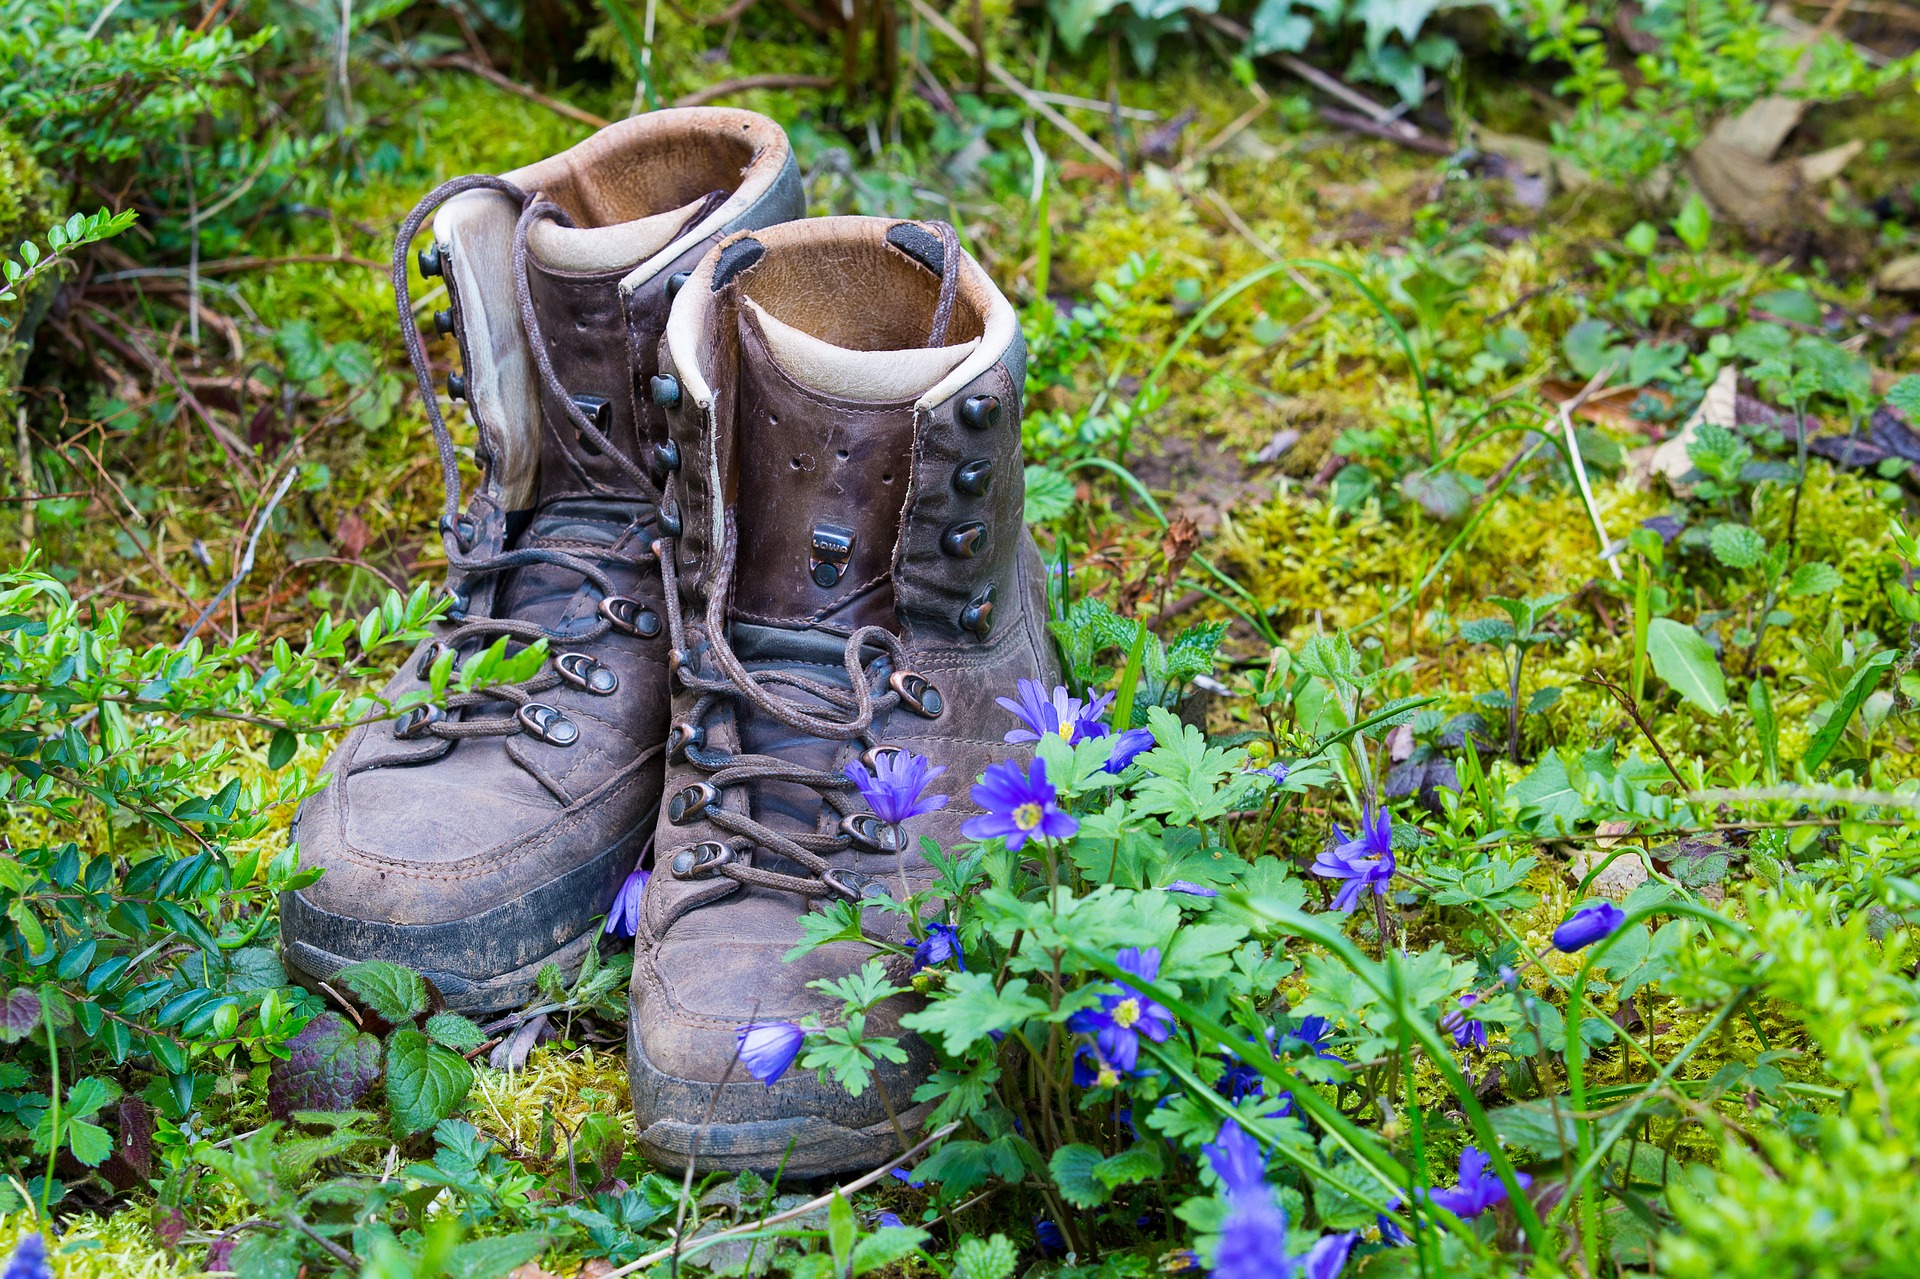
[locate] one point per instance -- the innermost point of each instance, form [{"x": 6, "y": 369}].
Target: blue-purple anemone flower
[
  {"x": 895, "y": 790},
  {"x": 1365, "y": 861},
  {"x": 1125, "y": 1015},
  {"x": 941, "y": 944},
  {"x": 1126, "y": 748},
  {"x": 623, "y": 917},
  {"x": 1056, "y": 714},
  {"x": 1479, "y": 1187},
  {"x": 1020, "y": 806},
  {"x": 768, "y": 1048},
  {"x": 1588, "y": 925}
]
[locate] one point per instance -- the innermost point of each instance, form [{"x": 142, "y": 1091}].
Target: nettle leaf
[
  {"x": 1049, "y": 494},
  {"x": 451, "y": 1030},
  {"x": 1817, "y": 578},
  {"x": 1682, "y": 657},
  {"x": 971, "y": 1009},
  {"x": 994, "y": 1258},
  {"x": 1073, "y": 1171},
  {"x": 330, "y": 1066},
  {"x": 1736, "y": 545},
  {"x": 1905, "y": 396},
  {"x": 395, "y": 993},
  {"x": 425, "y": 1082}
]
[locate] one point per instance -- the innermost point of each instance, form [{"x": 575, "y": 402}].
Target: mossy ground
[{"x": 1281, "y": 356}]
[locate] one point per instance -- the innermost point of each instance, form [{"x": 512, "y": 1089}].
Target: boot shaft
[
  {"x": 639, "y": 202},
  {"x": 874, "y": 475}
]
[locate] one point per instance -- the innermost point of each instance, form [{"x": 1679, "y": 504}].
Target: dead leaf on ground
[
  {"x": 1902, "y": 275},
  {"x": 1735, "y": 169}
]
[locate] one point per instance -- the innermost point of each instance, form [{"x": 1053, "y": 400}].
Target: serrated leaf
[
  {"x": 90, "y": 1143},
  {"x": 425, "y": 1082},
  {"x": 495, "y": 1258},
  {"x": 1682, "y": 657},
  {"x": 1817, "y": 578},
  {"x": 993, "y": 1258},
  {"x": 330, "y": 1066},
  {"x": 1049, "y": 494},
  {"x": 1127, "y": 1168},
  {"x": 451, "y": 1030},
  {"x": 395, "y": 993},
  {"x": 1072, "y": 1168},
  {"x": 1736, "y": 545},
  {"x": 970, "y": 1009}
]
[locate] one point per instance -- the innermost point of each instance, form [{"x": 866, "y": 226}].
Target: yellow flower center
[
  {"x": 1108, "y": 1077},
  {"x": 1066, "y": 731},
  {"x": 1027, "y": 816},
  {"x": 1125, "y": 1013}
]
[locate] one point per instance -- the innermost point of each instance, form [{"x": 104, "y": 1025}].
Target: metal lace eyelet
[
  {"x": 702, "y": 860},
  {"x": 584, "y": 672},
  {"x": 464, "y": 528},
  {"x": 690, "y": 803},
  {"x": 548, "y": 724},
  {"x": 630, "y": 616},
  {"x": 415, "y": 721},
  {"x": 917, "y": 694},
  {"x": 668, "y": 520},
  {"x": 854, "y": 886},
  {"x": 977, "y": 616},
  {"x": 423, "y": 667},
  {"x": 458, "y": 602},
  {"x": 871, "y": 756},
  {"x": 870, "y": 833},
  {"x": 684, "y": 736}
]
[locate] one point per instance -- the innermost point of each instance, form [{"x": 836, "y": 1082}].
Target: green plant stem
[{"x": 53, "y": 1112}]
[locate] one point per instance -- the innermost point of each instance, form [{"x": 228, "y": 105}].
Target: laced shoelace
[
  {"x": 836, "y": 714},
  {"x": 615, "y": 611}
]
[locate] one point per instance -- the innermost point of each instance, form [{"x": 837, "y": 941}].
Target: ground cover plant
[{"x": 1477, "y": 833}]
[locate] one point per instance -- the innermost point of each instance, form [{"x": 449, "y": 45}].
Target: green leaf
[
  {"x": 970, "y": 1009},
  {"x": 1049, "y": 494},
  {"x": 495, "y": 1258},
  {"x": 1736, "y": 545},
  {"x": 1905, "y": 396},
  {"x": 1072, "y": 1168},
  {"x": 885, "y": 1246},
  {"x": 451, "y": 1030},
  {"x": 994, "y": 1258},
  {"x": 1127, "y": 1168},
  {"x": 841, "y": 1228},
  {"x": 425, "y": 1082},
  {"x": 281, "y": 750},
  {"x": 1856, "y": 692},
  {"x": 395, "y": 993},
  {"x": 1682, "y": 657},
  {"x": 1694, "y": 226},
  {"x": 90, "y": 1143},
  {"x": 1817, "y": 578},
  {"x": 1546, "y": 798},
  {"x": 1276, "y": 28},
  {"x": 1643, "y": 239}
]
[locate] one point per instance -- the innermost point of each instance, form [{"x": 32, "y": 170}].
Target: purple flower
[
  {"x": 1365, "y": 861},
  {"x": 1057, "y": 715},
  {"x": 1479, "y": 1188},
  {"x": 1125, "y": 1015},
  {"x": 623, "y": 917},
  {"x": 908, "y": 1177},
  {"x": 1276, "y": 770},
  {"x": 1390, "y": 1233},
  {"x": 1020, "y": 806},
  {"x": 1587, "y": 926},
  {"x": 1179, "y": 1261},
  {"x": 1325, "y": 1259},
  {"x": 768, "y": 1048},
  {"x": 1465, "y": 1030},
  {"x": 29, "y": 1260},
  {"x": 1190, "y": 888},
  {"x": 1127, "y": 747},
  {"x": 1253, "y": 1239},
  {"x": 888, "y": 1220},
  {"x": 894, "y": 789},
  {"x": 1052, "y": 1240},
  {"x": 1242, "y": 1081},
  {"x": 1091, "y": 1070},
  {"x": 1313, "y": 1035},
  {"x": 942, "y": 943}
]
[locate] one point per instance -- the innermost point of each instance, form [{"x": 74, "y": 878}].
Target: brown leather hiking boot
[
  {"x": 851, "y": 575},
  {"x": 477, "y": 839}
]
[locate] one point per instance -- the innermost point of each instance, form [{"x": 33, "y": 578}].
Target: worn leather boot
[
  {"x": 848, "y": 573},
  {"x": 477, "y": 838}
]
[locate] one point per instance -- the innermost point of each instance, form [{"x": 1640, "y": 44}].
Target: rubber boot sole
[{"x": 797, "y": 1147}]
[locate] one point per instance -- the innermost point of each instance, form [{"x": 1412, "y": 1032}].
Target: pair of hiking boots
[{"x": 757, "y": 482}]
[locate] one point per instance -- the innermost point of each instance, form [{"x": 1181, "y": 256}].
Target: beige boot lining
[{"x": 866, "y": 376}]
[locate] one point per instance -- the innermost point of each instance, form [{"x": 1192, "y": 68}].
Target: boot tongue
[
  {"x": 825, "y": 450},
  {"x": 556, "y": 597}
]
